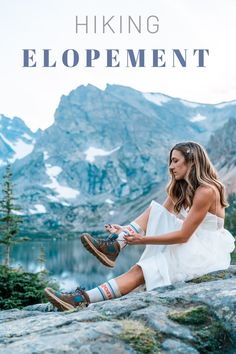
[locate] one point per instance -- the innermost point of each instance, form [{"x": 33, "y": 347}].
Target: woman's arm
[{"x": 203, "y": 198}]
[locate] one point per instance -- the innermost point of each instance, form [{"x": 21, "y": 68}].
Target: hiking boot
[
  {"x": 68, "y": 301},
  {"x": 105, "y": 250}
]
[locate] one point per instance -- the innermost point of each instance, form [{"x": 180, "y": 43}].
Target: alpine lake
[{"x": 68, "y": 262}]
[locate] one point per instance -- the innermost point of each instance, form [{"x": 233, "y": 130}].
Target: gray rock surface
[
  {"x": 16, "y": 139},
  {"x": 188, "y": 318},
  {"x": 223, "y": 154}
]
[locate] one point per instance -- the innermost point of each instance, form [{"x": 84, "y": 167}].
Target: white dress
[{"x": 207, "y": 250}]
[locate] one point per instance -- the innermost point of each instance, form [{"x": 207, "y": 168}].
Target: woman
[{"x": 185, "y": 237}]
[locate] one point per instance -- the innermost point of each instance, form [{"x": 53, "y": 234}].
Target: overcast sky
[{"x": 34, "y": 93}]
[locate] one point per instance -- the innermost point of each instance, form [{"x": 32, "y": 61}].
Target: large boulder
[{"x": 194, "y": 317}]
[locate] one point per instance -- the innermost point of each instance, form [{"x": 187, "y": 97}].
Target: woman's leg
[
  {"x": 142, "y": 219},
  {"x": 130, "y": 280},
  {"x": 117, "y": 287},
  {"x": 112, "y": 289},
  {"x": 139, "y": 226}
]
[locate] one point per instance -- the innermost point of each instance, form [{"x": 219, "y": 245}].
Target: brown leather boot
[
  {"x": 105, "y": 250},
  {"x": 68, "y": 301}
]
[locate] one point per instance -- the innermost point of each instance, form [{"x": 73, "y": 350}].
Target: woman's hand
[
  {"x": 113, "y": 228},
  {"x": 135, "y": 239}
]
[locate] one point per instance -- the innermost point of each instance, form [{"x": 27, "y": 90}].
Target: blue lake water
[{"x": 69, "y": 263}]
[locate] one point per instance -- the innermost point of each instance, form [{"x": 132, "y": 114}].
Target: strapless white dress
[{"x": 207, "y": 250}]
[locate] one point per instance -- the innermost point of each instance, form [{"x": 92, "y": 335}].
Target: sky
[{"x": 33, "y": 94}]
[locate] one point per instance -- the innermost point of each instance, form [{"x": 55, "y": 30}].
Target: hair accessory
[{"x": 188, "y": 151}]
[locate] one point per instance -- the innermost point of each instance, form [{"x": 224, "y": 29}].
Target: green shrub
[{"x": 19, "y": 288}]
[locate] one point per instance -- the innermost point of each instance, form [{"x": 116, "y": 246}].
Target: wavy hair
[{"x": 201, "y": 173}]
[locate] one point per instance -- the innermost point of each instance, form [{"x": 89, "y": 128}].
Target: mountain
[
  {"x": 16, "y": 139},
  {"x": 206, "y": 117},
  {"x": 222, "y": 148},
  {"x": 105, "y": 156}
]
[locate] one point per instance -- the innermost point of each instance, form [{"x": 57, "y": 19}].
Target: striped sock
[
  {"x": 132, "y": 228},
  {"x": 105, "y": 291}
]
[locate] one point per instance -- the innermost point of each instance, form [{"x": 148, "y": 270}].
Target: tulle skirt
[{"x": 207, "y": 250}]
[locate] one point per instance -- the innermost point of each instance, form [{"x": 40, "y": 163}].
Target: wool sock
[
  {"x": 132, "y": 228},
  {"x": 105, "y": 291}
]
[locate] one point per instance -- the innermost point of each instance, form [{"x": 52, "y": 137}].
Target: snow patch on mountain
[
  {"x": 55, "y": 199},
  {"x": 20, "y": 148},
  {"x": 38, "y": 209},
  {"x": 45, "y": 155},
  {"x": 109, "y": 201},
  {"x": 17, "y": 212},
  {"x": 92, "y": 152},
  {"x": 190, "y": 104},
  {"x": 62, "y": 191},
  {"x": 27, "y": 136},
  {"x": 197, "y": 118},
  {"x": 53, "y": 171},
  {"x": 156, "y": 98}
]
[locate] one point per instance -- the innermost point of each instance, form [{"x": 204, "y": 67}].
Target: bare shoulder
[{"x": 204, "y": 193}]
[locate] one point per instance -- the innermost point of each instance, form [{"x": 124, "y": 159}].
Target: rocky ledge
[{"x": 194, "y": 317}]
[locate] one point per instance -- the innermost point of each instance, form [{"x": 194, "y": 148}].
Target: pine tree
[
  {"x": 9, "y": 221},
  {"x": 42, "y": 259}
]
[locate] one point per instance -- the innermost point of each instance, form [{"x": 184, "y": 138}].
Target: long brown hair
[{"x": 201, "y": 173}]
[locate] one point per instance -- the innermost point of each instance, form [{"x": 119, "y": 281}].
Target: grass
[
  {"x": 192, "y": 316},
  {"x": 139, "y": 337},
  {"x": 210, "y": 277}
]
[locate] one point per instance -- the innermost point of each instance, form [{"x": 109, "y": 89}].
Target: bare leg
[
  {"x": 130, "y": 280},
  {"x": 114, "y": 288},
  {"x": 141, "y": 220}
]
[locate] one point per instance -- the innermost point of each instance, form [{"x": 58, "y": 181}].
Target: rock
[
  {"x": 68, "y": 337},
  {"x": 219, "y": 296},
  {"x": 223, "y": 155},
  {"x": 175, "y": 347},
  {"x": 182, "y": 318},
  {"x": 159, "y": 321},
  {"x": 48, "y": 307},
  {"x": 16, "y": 139}
]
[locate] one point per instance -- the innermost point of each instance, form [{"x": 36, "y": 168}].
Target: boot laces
[
  {"x": 108, "y": 241},
  {"x": 78, "y": 291}
]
